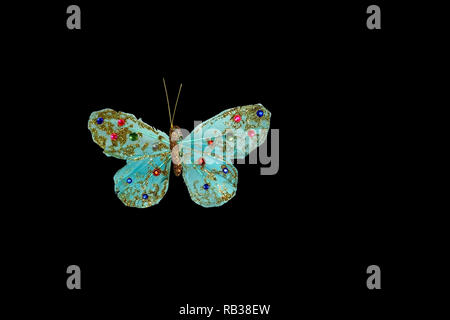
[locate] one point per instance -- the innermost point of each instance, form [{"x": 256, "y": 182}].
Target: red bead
[
  {"x": 251, "y": 133},
  {"x": 201, "y": 161},
  {"x": 237, "y": 118},
  {"x": 121, "y": 122},
  {"x": 210, "y": 142},
  {"x": 114, "y": 136},
  {"x": 156, "y": 172}
]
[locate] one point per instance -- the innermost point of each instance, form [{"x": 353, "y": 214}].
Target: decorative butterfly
[{"x": 204, "y": 157}]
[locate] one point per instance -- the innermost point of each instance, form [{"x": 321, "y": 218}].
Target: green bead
[{"x": 133, "y": 136}]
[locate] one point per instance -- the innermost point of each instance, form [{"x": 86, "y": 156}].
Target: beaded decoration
[{"x": 204, "y": 157}]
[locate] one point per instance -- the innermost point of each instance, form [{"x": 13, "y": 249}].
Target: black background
[{"x": 300, "y": 240}]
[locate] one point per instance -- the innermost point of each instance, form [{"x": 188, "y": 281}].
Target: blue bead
[
  {"x": 260, "y": 113},
  {"x": 206, "y": 186},
  {"x": 99, "y": 120},
  {"x": 144, "y": 196},
  {"x": 129, "y": 180},
  {"x": 225, "y": 170}
]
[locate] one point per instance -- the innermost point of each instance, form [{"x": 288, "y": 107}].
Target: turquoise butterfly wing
[
  {"x": 136, "y": 184},
  {"x": 208, "y": 152},
  {"x": 144, "y": 180},
  {"x": 211, "y": 184}
]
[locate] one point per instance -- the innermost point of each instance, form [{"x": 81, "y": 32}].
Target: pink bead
[
  {"x": 237, "y": 118},
  {"x": 114, "y": 136},
  {"x": 251, "y": 133}
]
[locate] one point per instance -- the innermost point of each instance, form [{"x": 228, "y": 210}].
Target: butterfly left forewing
[{"x": 123, "y": 136}]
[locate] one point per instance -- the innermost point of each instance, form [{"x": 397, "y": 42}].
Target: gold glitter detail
[
  {"x": 217, "y": 194},
  {"x": 145, "y": 146}
]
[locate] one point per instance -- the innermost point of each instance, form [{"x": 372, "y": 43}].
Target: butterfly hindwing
[
  {"x": 143, "y": 183},
  {"x": 123, "y": 136},
  {"x": 210, "y": 184}
]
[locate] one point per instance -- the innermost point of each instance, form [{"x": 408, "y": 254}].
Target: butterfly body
[
  {"x": 204, "y": 158},
  {"x": 175, "y": 136}
]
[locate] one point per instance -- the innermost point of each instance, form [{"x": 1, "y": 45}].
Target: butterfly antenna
[
  {"x": 176, "y": 103},
  {"x": 168, "y": 105}
]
